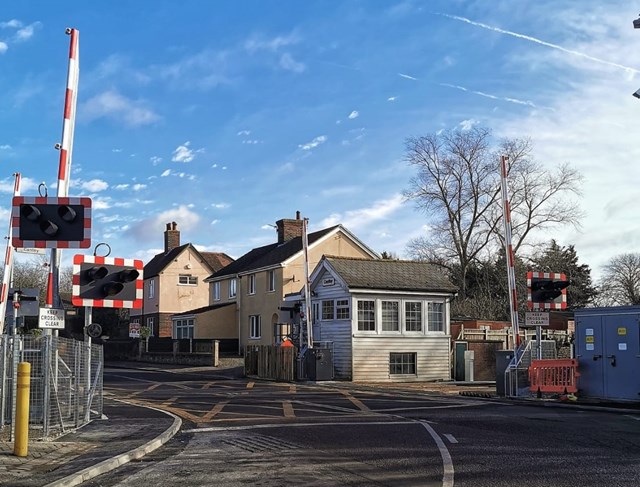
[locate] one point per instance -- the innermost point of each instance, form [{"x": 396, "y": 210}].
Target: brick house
[{"x": 174, "y": 282}]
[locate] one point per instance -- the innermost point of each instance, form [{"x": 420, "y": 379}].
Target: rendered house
[
  {"x": 257, "y": 282},
  {"x": 388, "y": 319},
  {"x": 174, "y": 283}
]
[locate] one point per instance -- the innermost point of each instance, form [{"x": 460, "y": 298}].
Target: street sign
[
  {"x": 32, "y": 251},
  {"x": 536, "y": 318},
  {"x": 51, "y": 319},
  {"x": 94, "y": 330},
  {"x": 134, "y": 330}
]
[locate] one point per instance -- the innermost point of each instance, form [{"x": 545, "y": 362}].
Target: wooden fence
[{"x": 271, "y": 362}]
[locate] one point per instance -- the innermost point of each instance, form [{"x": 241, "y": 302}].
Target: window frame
[
  {"x": 271, "y": 281},
  {"x": 360, "y": 321},
  {"x": 407, "y": 367},
  {"x": 233, "y": 288},
  {"x": 189, "y": 278},
  {"x": 406, "y": 317},
  {"x": 150, "y": 323},
  {"x": 325, "y": 317},
  {"x": 442, "y": 312},
  {"x": 398, "y": 303},
  {"x": 251, "y": 286},
  {"x": 346, "y": 305},
  {"x": 183, "y": 324},
  {"x": 152, "y": 288},
  {"x": 216, "y": 291},
  {"x": 255, "y": 324}
]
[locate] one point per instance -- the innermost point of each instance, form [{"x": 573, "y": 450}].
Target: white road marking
[
  {"x": 451, "y": 438},
  {"x": 637, "y": 418},
  {"x": 447, "y": 463},
  {"x": 289, "y": 425}
]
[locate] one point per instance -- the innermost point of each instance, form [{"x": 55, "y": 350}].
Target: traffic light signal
[
  {"x": 547, "y": 290},
  {"x": 105, "y": 282},
  {"x": 42, "y": 222}
]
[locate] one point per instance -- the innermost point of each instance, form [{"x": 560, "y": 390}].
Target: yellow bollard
[{"x": 21, "y": 445}]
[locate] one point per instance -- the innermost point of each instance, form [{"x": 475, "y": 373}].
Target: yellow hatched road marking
[
  {"x": 208, "y": 384},
  {"x": 250, "y": 385},
  {"x": 292, "y": 389},
  {"x": 170, "y": 401},
  {"x": 215, "y": 410},
  {"x": 356, "y": 402},
  {"x": 288, "y": 409}
]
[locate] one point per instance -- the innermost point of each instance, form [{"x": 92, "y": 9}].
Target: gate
[{"x": 66, "y": 383}]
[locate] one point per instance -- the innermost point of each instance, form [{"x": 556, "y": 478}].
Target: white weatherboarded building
[{"x": 388, "y": 319}]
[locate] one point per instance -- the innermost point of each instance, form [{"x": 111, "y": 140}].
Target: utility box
[
  {"x": 607, "y": 346},
  {"x": 503, "y": 359},
  {"x": 319, "y": 364}
]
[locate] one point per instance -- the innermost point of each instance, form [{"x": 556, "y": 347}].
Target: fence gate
[{"x": 66, "y": 383}]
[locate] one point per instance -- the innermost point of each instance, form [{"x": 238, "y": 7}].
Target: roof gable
[
  {"x": 214, "y": 260},
  {"x": 385, "y": 274}
]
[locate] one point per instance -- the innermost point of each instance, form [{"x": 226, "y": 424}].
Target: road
[{"x": 247, "y": 432}]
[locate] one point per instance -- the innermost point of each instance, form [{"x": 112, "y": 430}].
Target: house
[
  {"x": 388, "y": 320},
  {"x": 257, "y": 282},
  {"x": 174, "y": 283}
]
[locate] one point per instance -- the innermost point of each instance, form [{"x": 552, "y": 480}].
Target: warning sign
[
  {"x": 51, "y": 319},
  {"x": 589, "y": 339},
  {"x": 536, "y": 318}
]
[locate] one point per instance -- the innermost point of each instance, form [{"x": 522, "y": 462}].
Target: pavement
[{"x": 128, "y": 432}]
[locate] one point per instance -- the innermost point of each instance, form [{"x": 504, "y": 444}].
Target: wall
[
  {"x": 484, "y": 356},
  {"x": 217, "y": 323}
]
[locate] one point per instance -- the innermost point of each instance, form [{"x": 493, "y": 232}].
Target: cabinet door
[
  {"x": 621, "y": 359},
  {"x": 591, "y": 357}
]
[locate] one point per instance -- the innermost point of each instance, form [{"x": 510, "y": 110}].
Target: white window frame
[
  {"x": 233, "y": 288},
  {"x": 271, "y": 281},
  {"x": 399, "y": 307},
  {"x": 191, "y": 280},
  {"x": 152, "y": 288},
  {"x": 216, "y": 291},
  {"x": 252, "y": 284},
  {"x": 342, "y": 305},
  {"x": 358, "y": 311},
  {"x": 149, "y": 325},
  {"x": 326, "y": 317},
  {"x": 315, "y": 309},
  {"x": 183, "y": 324},
  {"x": 255, "y": 327},
  {"x": 405, "y": 320},
  {"x": 443, "y": 323}
]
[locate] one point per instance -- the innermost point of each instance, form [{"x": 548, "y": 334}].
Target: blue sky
[{"x": 227, "y": 116}]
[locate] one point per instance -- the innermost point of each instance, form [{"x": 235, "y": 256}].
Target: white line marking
[
  {"x": 447, "y": 463},
  {"x": 451, "y": 438},
  {"x": 289, "y": 425},
  {"x": 633, "y": 417}
]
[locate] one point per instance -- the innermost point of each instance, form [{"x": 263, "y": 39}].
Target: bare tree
[
  {"x": 458, "y": 186},
  {"x": 620, "y": 284}
]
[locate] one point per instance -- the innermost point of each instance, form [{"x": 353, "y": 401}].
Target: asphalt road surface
[{"x": 239, "y": 432}]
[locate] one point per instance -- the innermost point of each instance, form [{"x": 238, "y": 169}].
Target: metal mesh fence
[{"x": 66, "y": 383}]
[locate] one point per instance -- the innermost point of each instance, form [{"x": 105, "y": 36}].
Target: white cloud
[
  {"x": 392, "y": 98},
  {"x": 213, "y": 222},
  {"x": 244, "y": 132},
  {"x": 165, "y": 173},
  {"x": 468, "y": 124},
  {"x": 314, "y": 143},
  {"x": 121, "y": 187},
  {"x": 406, "y": 76},
  {"x": 95, "y": 185},
  {"x": 251, "y": 142},
  {"x": 116, "y": 150},
  {"x": 113, "y": 105},
  {"x": 184, "y": 154},
  {"x": 354, "y": 114},
  {"x": 260, "y": 44},
  {"x": 5, "y": 147},
  {"x": 287, "y": 62},
  {"x": 27, "y": 32},
  {"x": 363, "y": 217},
  {"x": 100, "y": 203},
  {"x": 220, "y": 206},
  {"x": 3, "y": 47},
  {"x": 155, "y": 160},
  {"x": 138, "y": 187},
  {"x": 153, "y": 227},
  {"x": 12, "y": 24}
]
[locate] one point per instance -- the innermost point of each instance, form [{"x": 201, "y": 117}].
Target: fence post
[
  {"x": 216, "y": 353},
  {"x": 46, "y": 403}
]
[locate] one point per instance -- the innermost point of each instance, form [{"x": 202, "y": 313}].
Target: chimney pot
[
  {"x": 171, "y": 237},
  {"x": 288, "y": 228}
]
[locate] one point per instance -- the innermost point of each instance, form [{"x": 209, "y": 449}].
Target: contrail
[
  {"x": 493, "y": 97},
  {"x": 541, "y": 42},
  {"x": 407, "y": 76}
]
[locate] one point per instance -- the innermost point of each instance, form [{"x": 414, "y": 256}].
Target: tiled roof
[
  {"x": 216, "y": 260},
  {"x": 399, "y": 275},
  {"x": 269, "y": 254}
]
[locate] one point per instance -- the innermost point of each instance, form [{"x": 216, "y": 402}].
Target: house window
[
  {"x": 390, "y": 316},
  {"x": 254, "y": 326},
  {"x": 402, "y": 364},
  {"x": 187, "y": 280},
  {"x": 232, "y": 288},
  {"x": 150, "y": 325},
  {"x": 252, "y": 283},
  {"x": 366, "y": 316},
  {"x": 436, "y": 317},
  {"x": 271, "y": 278},
  {"x": 184, "y": 328},
  {"x": 152, "y": 288},
  {"x": 216, "y": 291},
  {"x": 315, "y": 308},
  {"x": 342, "y": 309},
  {"x": 327, "y": 310},
  {"x": 413, "y": 315}
]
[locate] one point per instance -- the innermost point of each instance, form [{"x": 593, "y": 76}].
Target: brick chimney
[
  {"x": 288, "y": 229},
  {"x": 171, "y": 237}
]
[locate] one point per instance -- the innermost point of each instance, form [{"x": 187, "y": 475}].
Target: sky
[{"x": 227, "y": 116}]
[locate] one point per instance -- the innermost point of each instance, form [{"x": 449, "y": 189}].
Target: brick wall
[{"x": 485, "y": 359}]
